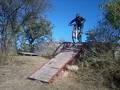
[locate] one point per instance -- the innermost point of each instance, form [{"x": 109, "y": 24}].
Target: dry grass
[
  {"x": 101, "y": 71},
  {"x": 13, "y": 76},
  {"x": 3, "y": 59}
]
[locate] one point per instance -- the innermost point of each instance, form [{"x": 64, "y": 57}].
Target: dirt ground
[{"x": 14, "y": 76}]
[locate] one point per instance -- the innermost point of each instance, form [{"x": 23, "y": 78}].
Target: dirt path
[{"x": 15, "y": 77}]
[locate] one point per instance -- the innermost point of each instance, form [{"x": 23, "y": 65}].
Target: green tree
[
  {"x": 112, "y": 12},
  {"x": 103, "y": 32},
  {"x": 108, "y": 29},
  {"x": 36, "y": 31},
  {"x": 14, "y": 14}
]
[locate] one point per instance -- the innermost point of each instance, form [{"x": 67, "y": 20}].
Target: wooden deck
[{"x": 52, "y": 68}]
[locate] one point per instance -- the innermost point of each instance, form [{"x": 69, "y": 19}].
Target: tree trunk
[{"x": 31, "y": 46}]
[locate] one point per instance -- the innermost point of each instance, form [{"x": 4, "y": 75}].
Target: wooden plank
[
  {"x": 61, "y": 59},
  {"x": 51, "y": 68},
  {"x": 27, "y": 53},
  {"x": 44, "y": 74}
]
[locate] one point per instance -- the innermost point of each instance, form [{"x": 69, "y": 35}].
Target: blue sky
[{"x": 64, "y": 11}]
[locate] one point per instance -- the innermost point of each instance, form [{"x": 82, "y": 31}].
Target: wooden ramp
[{"x": 52, "y": 68}]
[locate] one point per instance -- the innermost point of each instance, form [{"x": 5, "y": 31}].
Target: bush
[
  {"x": 100, "y": 68},
  {"x": 46, "y": 49},
  {"x": 3, "y": 59}
]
